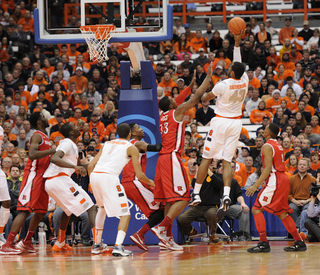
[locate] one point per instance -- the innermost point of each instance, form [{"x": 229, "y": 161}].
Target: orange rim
[{"x": 101, "y": 31}]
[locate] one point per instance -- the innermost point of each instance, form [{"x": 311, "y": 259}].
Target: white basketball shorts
[
  {"x": 68, "y": 195},
  {"x": 222, "y": 138},
  {"x": 110, "y": 194},
  {"x": 4, "y": 190}
]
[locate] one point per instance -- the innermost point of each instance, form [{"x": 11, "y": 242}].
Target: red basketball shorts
[
  {"x": 273, "y": 197},
  {"x": 141, "y": 196},
  {"x": 32, "y": 196},
  {"x": 171, "y": 179}
]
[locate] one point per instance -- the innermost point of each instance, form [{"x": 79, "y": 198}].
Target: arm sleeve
[
  {"x": 237, "y": 54},
  {"x": 181, "y": 97}
]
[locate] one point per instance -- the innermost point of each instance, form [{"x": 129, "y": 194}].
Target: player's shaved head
[
  {"x": 123, "y": 130},
  {"x": 34, "y": 119},
  {"x": 238, "y": 69},
  {"x": 164, "y": 104},
  {"x": 66, "y": 128},
  {"x": 273, "y": 129}
]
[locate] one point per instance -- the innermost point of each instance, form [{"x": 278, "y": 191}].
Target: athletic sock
[
  {"x": 290, "y": 225},
  {"x": 4, "y": 217},
  {"x": 143, "y": 230},
  {"x": 62, "y": 236},
  {"x": 197, "y": 187},
  {"x": 226, "y": 190},
  {"x": 169, "y": 229},
  {"x": 120, "y": 237},
  {"x": 29, "y": 236},
  {"x": 11, "y": 237},
  {"x": 261, "y": 226},
  {"x": 166, "y": 222}
]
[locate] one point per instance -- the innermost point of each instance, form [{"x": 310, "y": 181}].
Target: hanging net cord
[{"x": 97, "y": 38}]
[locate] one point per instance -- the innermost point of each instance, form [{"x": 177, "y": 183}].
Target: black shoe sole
[
  {"x": 261, "y": 251},
  {"x": 302, "y": 249},
  {"x": 222, "y": 211}
]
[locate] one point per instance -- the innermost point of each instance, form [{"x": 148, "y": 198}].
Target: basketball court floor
[{"x": 198, "y": 258}]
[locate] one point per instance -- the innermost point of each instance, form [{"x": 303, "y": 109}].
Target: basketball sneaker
[
  {"x": 2, "y": 240},
  {"x": 225, "y": 203},
  {"x": 262, "y": 247},
  {"x": 119, "y": 251},
  {"x": 195, "y": 199},
  {"x": 9, "y": 249},
  {"x": 161, "y": 233},
  {"x": 138, "y": 241},
  {"x": 215, "y": 239},
  {"x": 61, "y": 247},
  {"x": 173, "y": 245},
  {"x": 100, "y": 248},
  {"x": 297, "y": 246},
  {"x": 26, "y": 246}
]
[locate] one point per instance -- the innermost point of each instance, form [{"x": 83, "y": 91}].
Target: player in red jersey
[
  {"x": 171, "y": 179},
  {"x": 32, "y": 196},
  {"x": 141, "y": 193},
  {"x": 273, "y": 197}
]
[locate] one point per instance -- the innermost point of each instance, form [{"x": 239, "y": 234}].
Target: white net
[{"x": 97, "y": 38}]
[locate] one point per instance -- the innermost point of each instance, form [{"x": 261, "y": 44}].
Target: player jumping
[
  {"x": 171, "y": 180},
  {"x": 225, "y": 127},
  {"x": 273, "y": 197}
]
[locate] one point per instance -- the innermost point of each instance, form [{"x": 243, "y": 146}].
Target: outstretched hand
[
  {"x": 237, "y": 38},
  {"x": 209, "y": 71},
  {"x": 193, "y": 80}
]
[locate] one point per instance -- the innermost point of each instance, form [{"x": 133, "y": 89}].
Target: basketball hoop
[{"x": 97, "y": 38}]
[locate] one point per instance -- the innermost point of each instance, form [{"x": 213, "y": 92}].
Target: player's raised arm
[
  {"x": 34, "y": 152},
  {"x": 183, "y": 95},
  {"x": 146, "y": 147},
  {"x": 133, "y": 152},
  {"x": 236, "y": 50},
  {"x": 267, "y": 152},
  {"x": 181, "y": 109}
]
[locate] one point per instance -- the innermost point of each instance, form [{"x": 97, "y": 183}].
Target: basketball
[{"x": 236, "y": 25}]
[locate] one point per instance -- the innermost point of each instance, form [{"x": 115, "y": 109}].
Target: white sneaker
[
  {"x": 119, "y": 251},
  {"x": 195, "y": 199},
  {"x": 2, "y": 240},
  {"x": 161, "y": 233},
  {"x": 225, "y": 203},
  {"x": 173, "y": 245}
]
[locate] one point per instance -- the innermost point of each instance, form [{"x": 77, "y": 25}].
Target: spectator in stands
[
  {"x": 202, "y": 59},
  {"x": 215, "y": 42},
  {"x": 314, "y": 138},
  {"x": 252, "y": 80},
  {"x": 257, "y": 59},
  {"x": 279, "y": 118},
  {"x": 198, "y": 42},
  {"x": 313, "y": 39},
  {"x": 273, "y": 59},
  {"x": 186, "y": 63},
  {"x": 286, "y": 31},
  {"x": 111, "y": 128},
  {"x": 301, "y": 108},
  {"x": 299, "y": 195},
  {"x": 20, "y": 38},
  {"x": 66, "y": 66},
  {"x": 306, "y": 148},
  {"x": 79, "y": 79},
  {"x": 269, "y": 28},
  {"x": 274, "y": 103},
  {"x": 60, "y": 67},
  {"x": 10, "y": 106},
  {"x": 22, "y": 139},
  {"x": 253, "y": 103},
  {"x": 293, "y": 123},
  {"x": 257, "y": 115},
  {"x": 297, "y": 40},
  {"x": 295, "y": 56},
  {"x": 204, "y": 114},
  {"x": 296, "y": 87},
  {"x": 179, "y": 29},
  {"x": 190, "y": 35},
  {"x": 186, "y": 76},
  {"x": 306, "y": 61},
  {"x": 306, "y": 33},
  {"x": 246, "y": 52},
  {"x": 265, "y": 122},
  {"x": 247, "y": 170},
  {"x": 262, "y": 35},
  {"x": 226, "y": 48},
  {"x": 315, "y": 125},
  {"x": 27, "y": 22},
  {"x": 288, "y": 65},
  {"x": 167, "y": 83},
  {"x": 245, "y": 151},
  {"x": 98, "y": 81}
]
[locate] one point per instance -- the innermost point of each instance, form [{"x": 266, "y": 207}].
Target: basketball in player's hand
[{"x": 236, "y": 25}]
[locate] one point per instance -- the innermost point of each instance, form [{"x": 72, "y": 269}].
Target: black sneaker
[
  {"x": 224, "y": 206},
  {"x": 297, "y": 246},
  {"x": 262, "y": 247}
]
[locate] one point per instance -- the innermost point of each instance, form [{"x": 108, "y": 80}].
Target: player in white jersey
[
  {"x": 59, "y": 185},
  {"x": 4, "y": 198},
  {"x": 104, "y": 171},
  {"x": 225, "y": 127}
]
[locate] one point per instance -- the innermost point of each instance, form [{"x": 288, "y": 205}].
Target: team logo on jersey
[
  {"x": 179, "y": 188},
  {"x": 265, "y": 199},
  {"x": 163, "y": 118},
  {"x": 24, "y": 197}
]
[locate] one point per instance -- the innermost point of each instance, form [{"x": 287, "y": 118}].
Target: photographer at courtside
[{"x": 312, "y": 224}]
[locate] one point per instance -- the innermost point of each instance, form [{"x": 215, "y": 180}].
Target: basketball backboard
[{"x": 56, "y": 22}]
